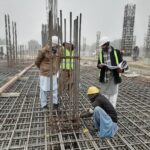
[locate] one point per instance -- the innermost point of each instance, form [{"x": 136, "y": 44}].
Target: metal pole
[
  {"x": 6, "y": 32},
  {"x": 64, "y": 30},
  {"x": 51, "y": 61},
  {"x": 58, "y": 31},
  {"x": 70, "y": 70},
  {"x": 42, "y": 35},
  {"x": 74, "y": 71},
  {"x": 70, "y": 27},
  {"x": 61, "y": 72},
  {"x": 13, "y": 44},
  {"x": 16, "y": 50},
  {"x": 76, "y": 68},
  {"x": 78, "y": 63},
  {"x": 61, "y": 26},
  {"x": 10, "y": 48},
  {"x": 80, "y": 35}
]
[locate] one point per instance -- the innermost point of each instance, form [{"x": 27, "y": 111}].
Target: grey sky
[{"x": 103, "y": 15}]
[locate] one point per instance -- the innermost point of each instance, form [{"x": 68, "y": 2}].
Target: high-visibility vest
[
  {"x": 115, "y": 54},
  {"x": 67, "y": 63}
]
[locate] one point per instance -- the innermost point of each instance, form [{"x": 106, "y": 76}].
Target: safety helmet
[
  {"x": 104, "y": 40},
  {"x": 92, "y": 90}
]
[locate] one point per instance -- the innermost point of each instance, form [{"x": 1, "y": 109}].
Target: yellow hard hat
[{"x": 92, "y": 90}]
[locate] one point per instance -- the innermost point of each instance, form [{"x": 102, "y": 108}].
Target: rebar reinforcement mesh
[{"x": 24, "y": 125}]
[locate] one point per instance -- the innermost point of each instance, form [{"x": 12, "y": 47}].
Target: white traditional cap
[
  {"x": 54, "y": 40},
  {"x": 104, "y": 40}
]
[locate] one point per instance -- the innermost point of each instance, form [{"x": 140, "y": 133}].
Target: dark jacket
[
  {"x": 117, "y": 78},
  {"x": 103, "y": 102}
]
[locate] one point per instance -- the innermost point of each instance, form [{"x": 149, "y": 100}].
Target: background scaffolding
[
  {"x": 128, "y": 29},
  {"x": 147, "y": 46}
]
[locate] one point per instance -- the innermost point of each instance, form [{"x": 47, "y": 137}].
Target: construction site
[{"x": 24, "y": 125}]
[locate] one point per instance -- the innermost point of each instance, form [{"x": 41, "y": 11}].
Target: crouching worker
[{"x": 104, "y": 114}]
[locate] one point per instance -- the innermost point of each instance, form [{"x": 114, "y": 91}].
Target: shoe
[
  {"x": 45, "y": 107},
  {"x": 92, "y": 131},
  {"x": 55, "y": 106}
]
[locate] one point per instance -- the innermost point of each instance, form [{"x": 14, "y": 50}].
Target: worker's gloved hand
[
  {"x": 91, "y": 111},
  {"x": 87, "y": 113}
]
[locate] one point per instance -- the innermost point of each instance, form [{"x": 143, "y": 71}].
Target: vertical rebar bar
[
  {"x": 61, "y": 26},
  {"x": 13, "y": 43},
  {"x": 71, "y": 27},
  {"x": 76, "y": 67},
  {"x": 63, "y": 54},
  {"x": 51, "y": 61},
  {"x": 10, "y": 47},
  {"x": 58, "y": 31},
  {"x": 65, "y": 30},
  {"x": 71, "y": 69},
  {"x": 78, "y": 60},
  {"x": 16, "y": 51},
  {"x": 6, "y": 33}
]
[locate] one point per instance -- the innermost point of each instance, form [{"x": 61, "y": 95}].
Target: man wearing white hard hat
[
  {"x": 43, "y": 63},
  {"x": 109, "y": 78}
]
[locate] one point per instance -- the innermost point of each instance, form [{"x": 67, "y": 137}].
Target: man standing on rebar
[
  {"x": 104, "y": 114},
  {"x": 67, "y": 66},
  {"x": 43, "y": 63},
  {"x": 109, "y": 79}
]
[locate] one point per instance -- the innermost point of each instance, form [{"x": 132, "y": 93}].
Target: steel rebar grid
[
  {"x": 133, "y": 92},
  {"x": 25, "y": 126}
]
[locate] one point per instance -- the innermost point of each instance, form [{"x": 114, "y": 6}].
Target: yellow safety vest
[
  {"x": 67, "y": 63},
  {"x": 115, "y": 54}
]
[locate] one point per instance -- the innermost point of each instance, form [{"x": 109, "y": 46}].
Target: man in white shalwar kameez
[{"x": 43, "y": 63}]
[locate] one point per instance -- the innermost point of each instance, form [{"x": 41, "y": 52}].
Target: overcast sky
[{"x": 98, "y": 15}]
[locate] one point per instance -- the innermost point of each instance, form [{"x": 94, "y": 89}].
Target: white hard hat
[
  {"x": 54, "y": 40},
  {"x": 104, "y": 40}
]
